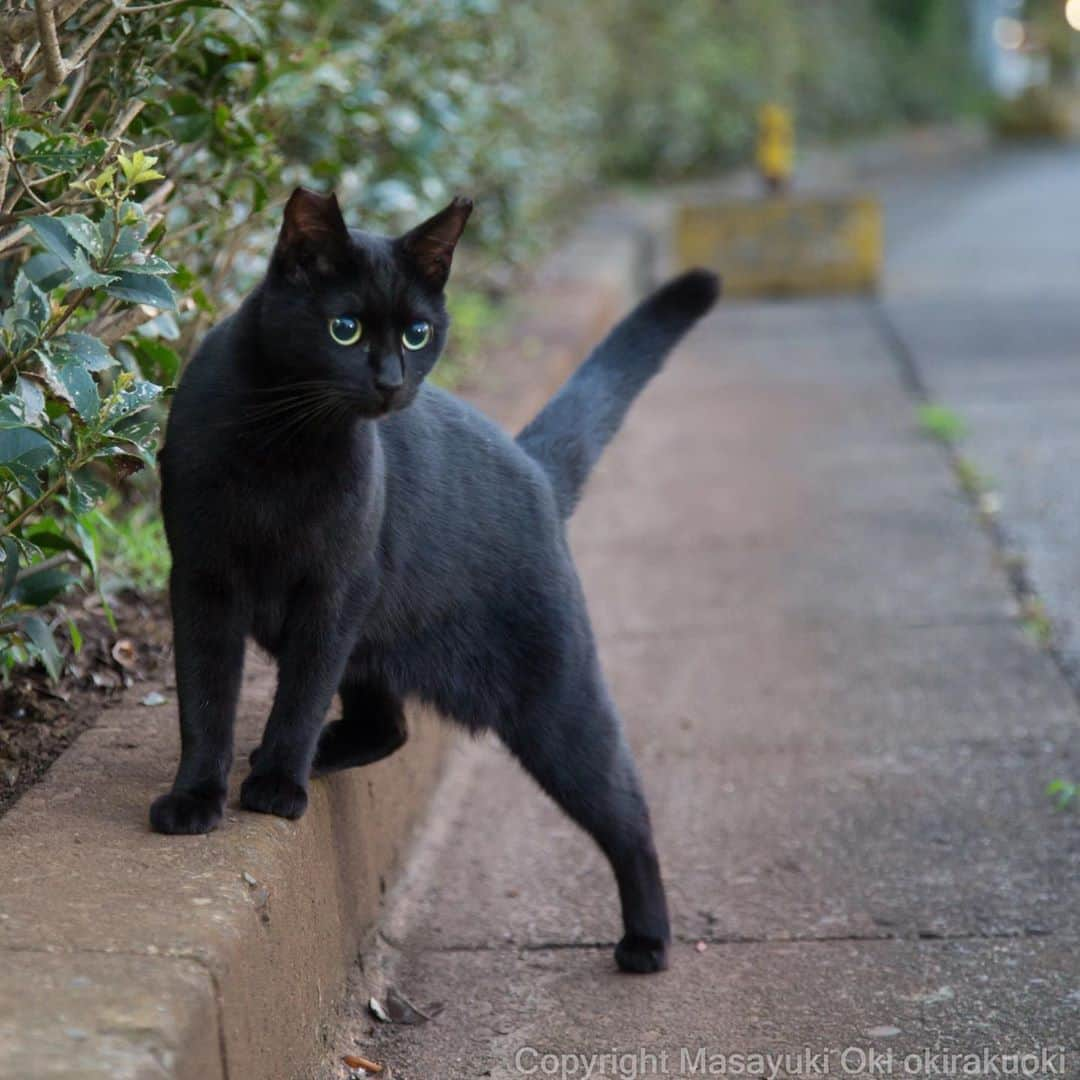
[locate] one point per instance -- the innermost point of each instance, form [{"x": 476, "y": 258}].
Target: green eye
[
  {"x": 345, "y": 330},
  {"x": 416, "y": 336}
]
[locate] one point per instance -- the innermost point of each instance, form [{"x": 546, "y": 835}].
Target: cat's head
[{"x": 360, "y": 313}]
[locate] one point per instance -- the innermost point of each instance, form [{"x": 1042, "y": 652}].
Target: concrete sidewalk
[
  {"x": 844, "y": 733},
  {"x": 986, "y": 299}
]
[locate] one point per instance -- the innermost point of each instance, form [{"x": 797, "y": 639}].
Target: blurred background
[{"x": 146, "y": 149}]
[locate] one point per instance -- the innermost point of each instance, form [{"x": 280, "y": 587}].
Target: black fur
[{"x": 382, "y": 552}]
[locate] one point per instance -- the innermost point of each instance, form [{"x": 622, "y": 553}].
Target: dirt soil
[{"x": 39, "y": 719}]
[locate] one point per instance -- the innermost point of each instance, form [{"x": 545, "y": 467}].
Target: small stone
[
  {"x": 154, "y": 698},
  {"x": 701, "y": 946},
  {"x": 248, "y": 879}
]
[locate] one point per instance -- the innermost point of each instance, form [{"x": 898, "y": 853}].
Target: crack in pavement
[{"x": 946, "y": 937}]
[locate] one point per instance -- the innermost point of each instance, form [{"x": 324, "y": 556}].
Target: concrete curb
[{"x": 127, "y": 954}]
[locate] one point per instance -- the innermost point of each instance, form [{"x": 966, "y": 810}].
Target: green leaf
[
  {"x": 132, "y": 233},
  {"x": 85, "y": 276},
  {"x": 157, "y": 359},
  {"x": 131, "y": 401},
  {"x": 56, "y": 239},
  {"x": 11, "y": 565},
  {"x": 1064, "y": 791},
  {"x": 60, "y": 154},
  {"x": 84, "y": 490},
  {"x": 37, "y": 587},
  {"x": 93, "y": 354},
  {"x": 26, "y": 447},
  {"x": 37, "y": 303},
  {"x": 139, "y": 428},
  {"x": 88, "y": 540},
  {"x": 152, "y": 264},
  {"x": 37, "y": 631},
  {"x": 48, "y": 540},
  {"x": 129, "y": 453},
  {"x": 12, "y": 411},
  {"x": 75, "y": 635},
  {"x": 85, "y": 233},
  {"x": 32, "y": 398},
  {"x": 142, "y": 289},
  {"x": 71, "y": 382},
  {"x": 46, "y": 271},
  {"x": 81, "y": 386}
]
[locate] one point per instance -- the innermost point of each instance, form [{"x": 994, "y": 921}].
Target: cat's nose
[{"x": 389, "y": 373}]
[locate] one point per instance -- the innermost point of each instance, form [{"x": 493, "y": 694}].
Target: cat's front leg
[
  {"x": 208, "y": 640},
  {"x": 310, "y": 666}
]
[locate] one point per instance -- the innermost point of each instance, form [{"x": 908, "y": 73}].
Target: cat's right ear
[
  {"x": 313, "y": 234},
  {"x": 430, "y": 246}
]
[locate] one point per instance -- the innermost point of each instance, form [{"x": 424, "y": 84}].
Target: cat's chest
[{"x": 277, "y": 528}]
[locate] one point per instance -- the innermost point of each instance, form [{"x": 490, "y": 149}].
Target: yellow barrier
[{"x": 785, "y": 246}]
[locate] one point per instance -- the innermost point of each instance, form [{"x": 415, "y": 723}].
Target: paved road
[
  {"x": 987, "y": 295},
  {"x": 844, "y": 733}
]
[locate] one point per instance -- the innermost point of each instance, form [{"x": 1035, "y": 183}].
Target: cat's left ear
[
  {"x": 313, "y": 232},
  {"x": 430, "y": 246}
]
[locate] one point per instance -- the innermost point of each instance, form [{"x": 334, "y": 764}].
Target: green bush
[{"x": 97, "y": 102}]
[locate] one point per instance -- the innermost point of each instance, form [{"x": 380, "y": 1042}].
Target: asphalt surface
[{"x": 844, "y": 731}]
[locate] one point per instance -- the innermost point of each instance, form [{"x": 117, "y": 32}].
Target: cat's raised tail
[{"x": 569, "y": 434}]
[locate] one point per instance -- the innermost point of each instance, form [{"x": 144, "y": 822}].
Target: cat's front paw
[
  {"x": 273, "y": 793},
  {"x": 185, "y": 813},
  {"x": 641, "y": 955}
]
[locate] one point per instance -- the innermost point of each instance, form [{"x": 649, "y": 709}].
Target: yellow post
[{"x": 775, "y": 147}]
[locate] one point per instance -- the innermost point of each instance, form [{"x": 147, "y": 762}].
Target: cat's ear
[
  {"x": 313, "y": 232},
  {"x": 430, "y": 246}
]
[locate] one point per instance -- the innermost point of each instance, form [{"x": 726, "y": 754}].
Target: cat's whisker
[
  {"x": 297, "y": 384},
  {"x": 302, "y": 418},
  {"x": 252, "y": 414}
]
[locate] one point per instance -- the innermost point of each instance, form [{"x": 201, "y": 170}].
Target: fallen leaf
[
  {"x": 403, "y": 1011},
  {"x": 124, "y": 653},
  {"x": 354, "y": 1061}
]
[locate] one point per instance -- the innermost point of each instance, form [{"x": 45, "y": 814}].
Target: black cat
[{"x": 382, "y": 539}]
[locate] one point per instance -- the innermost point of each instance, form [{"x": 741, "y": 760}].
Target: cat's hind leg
[
  {"x": 372, "y": 727},
  {"x": 572, "y": 744}
]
